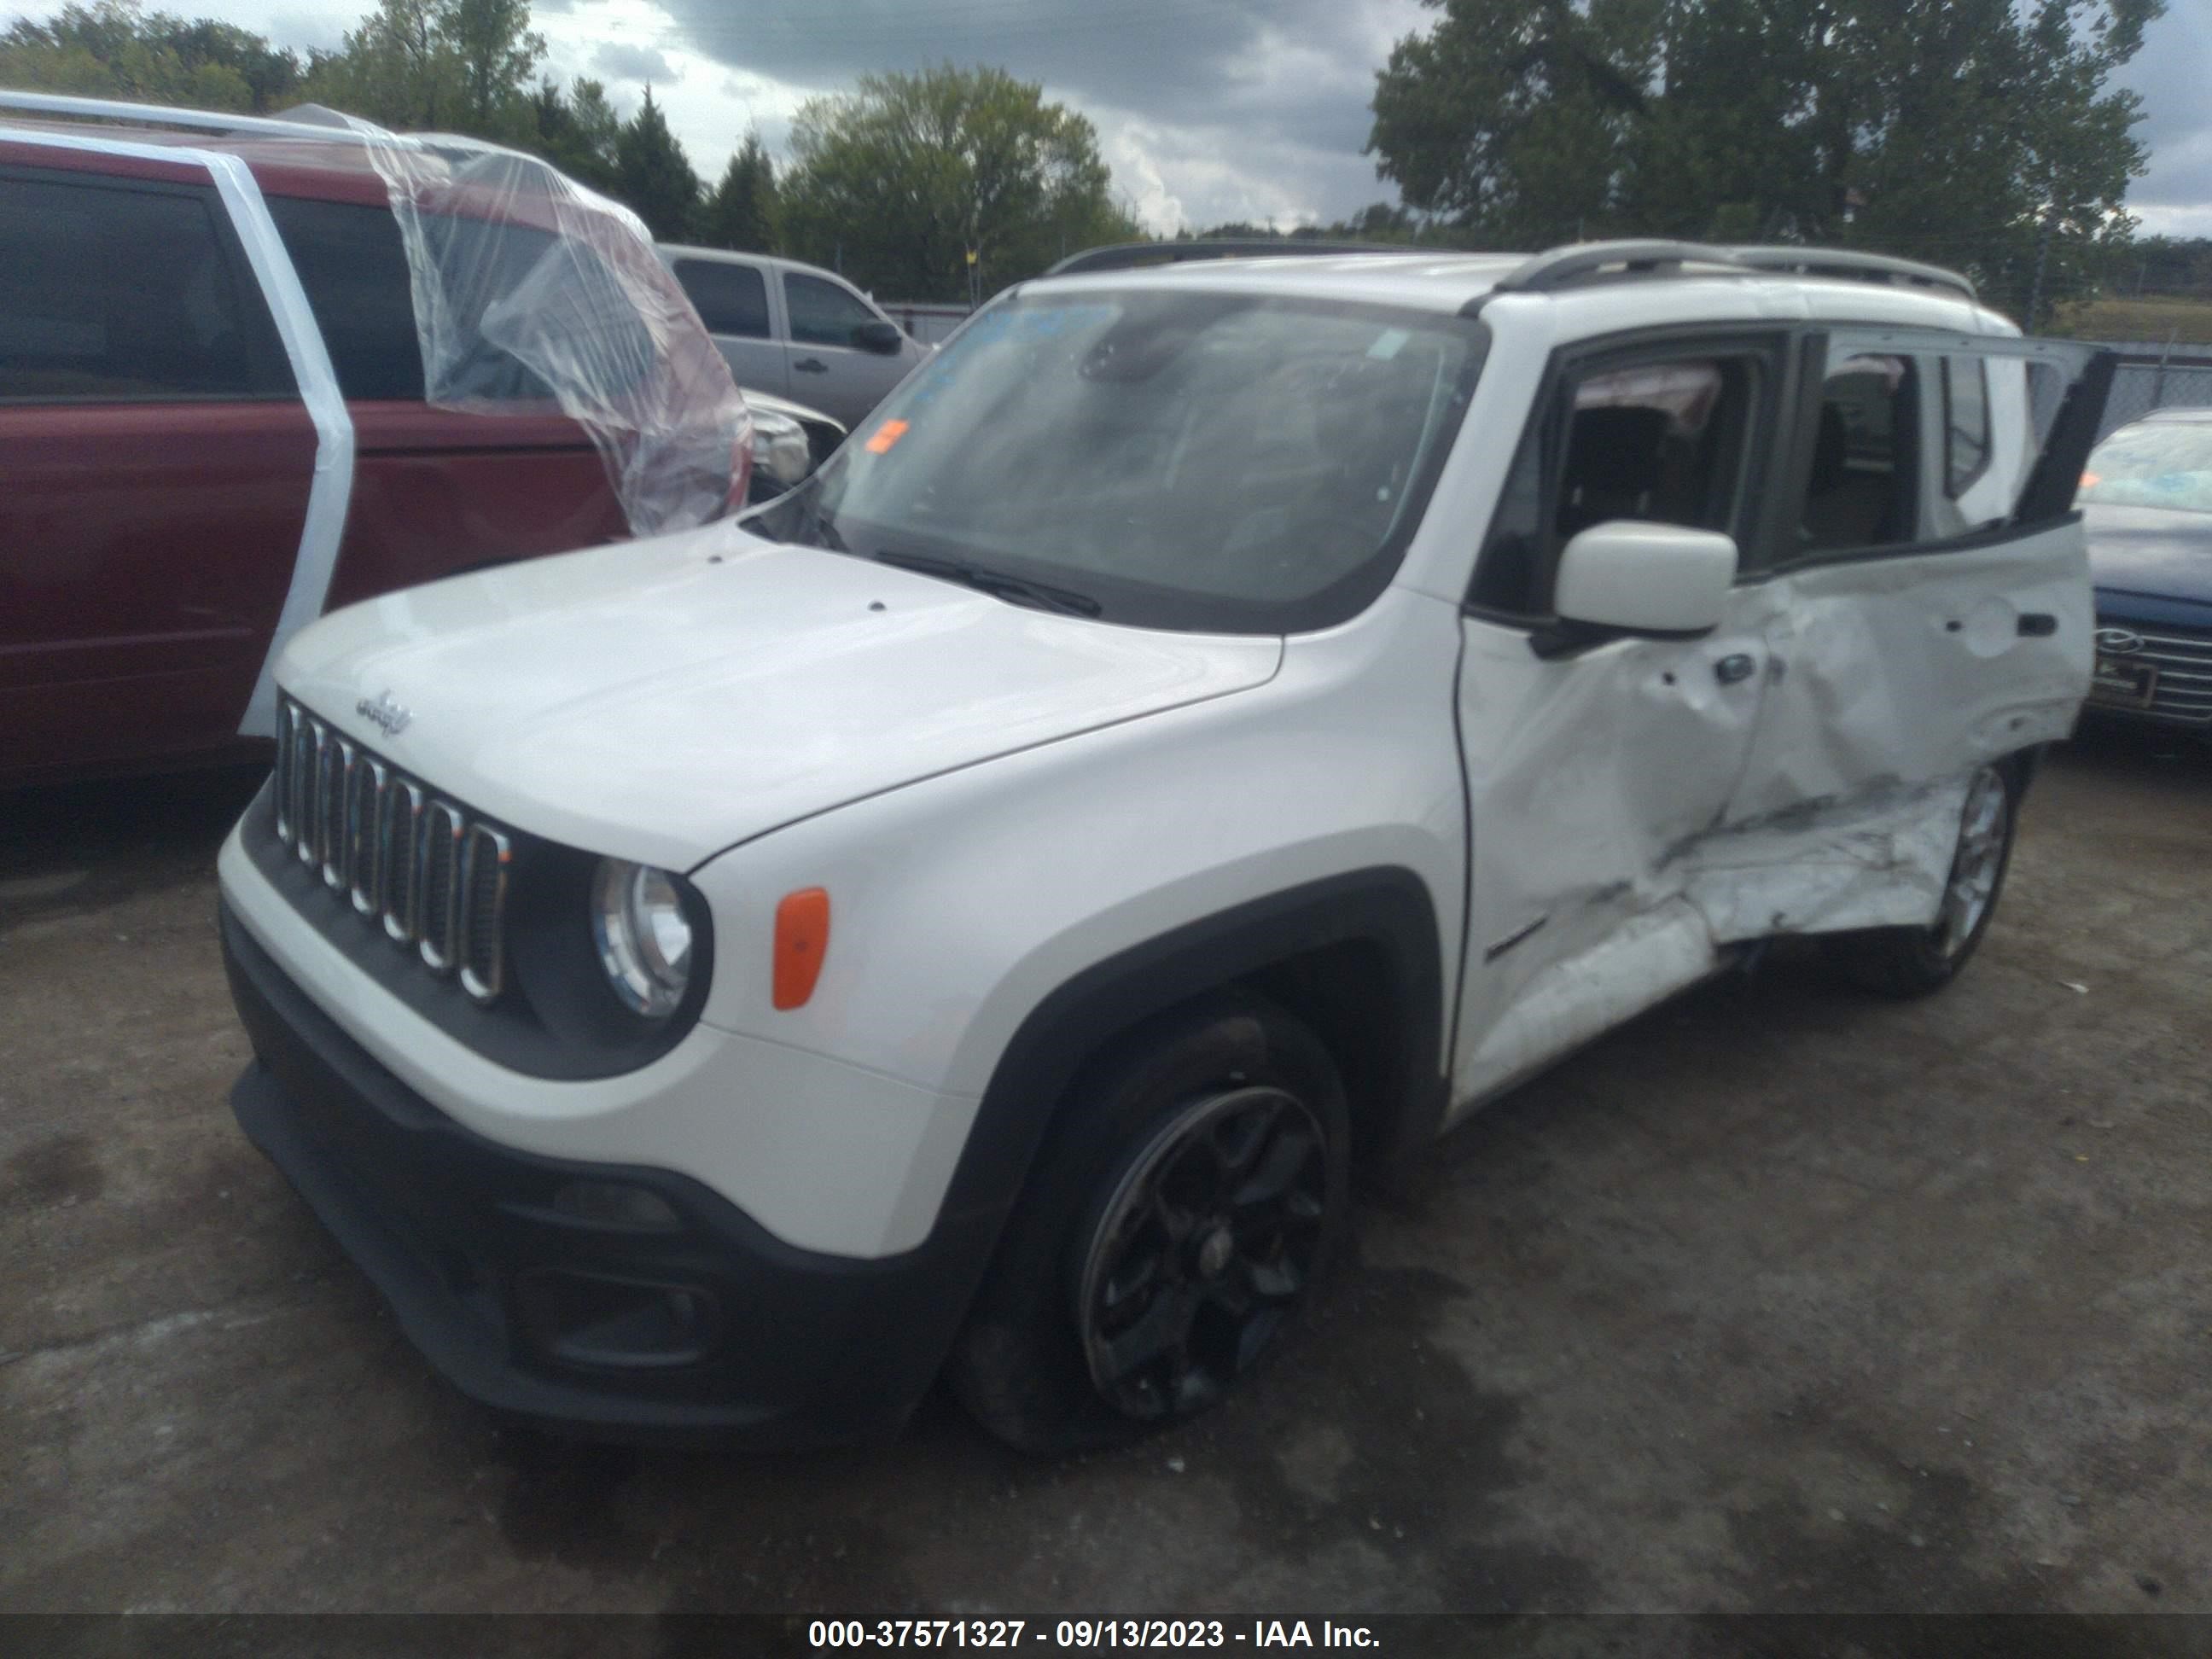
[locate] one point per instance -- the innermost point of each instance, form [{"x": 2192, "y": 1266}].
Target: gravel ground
[{"x": 1779, "y": 1299}]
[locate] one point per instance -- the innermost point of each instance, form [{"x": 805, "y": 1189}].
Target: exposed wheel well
[{"x": 1346, "y": 995}]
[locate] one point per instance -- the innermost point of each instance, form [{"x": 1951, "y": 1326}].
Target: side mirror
[
  {"x": 879, "y": 336},
  {"x": 1641, "y": 578}
]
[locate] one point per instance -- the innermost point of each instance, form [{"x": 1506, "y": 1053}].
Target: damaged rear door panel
[
  {"x": 1913, "y": 602},
  {"x": 1929, "y": 613}
]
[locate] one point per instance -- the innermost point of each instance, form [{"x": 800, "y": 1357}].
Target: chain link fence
[
  {"x": 2145, "y": 381},
  {"x": 928, "y": 323}
]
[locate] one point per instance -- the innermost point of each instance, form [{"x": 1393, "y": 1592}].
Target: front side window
[
  {"x": 2154, "y": 464},
  {"x": 1661, "y": 442},
  {"x": 112, "y": 294},
  {"x": 731, "y": 299},
  {"x": 1863, "y": 489},
  {"x": 822, "y": 313},
  {"x": 1180, "y": 459}
]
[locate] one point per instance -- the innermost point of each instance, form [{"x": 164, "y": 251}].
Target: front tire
[
  {"x": 1192, "y": 1190},
  {"x": 1915, "y": 962}
]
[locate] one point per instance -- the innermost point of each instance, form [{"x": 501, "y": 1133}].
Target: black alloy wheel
[
  {"x": 1193, "y": 1188},
  {"x": 1203, "y": 1250}
]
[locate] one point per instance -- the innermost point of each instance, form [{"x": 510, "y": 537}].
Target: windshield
[
  {"x": 2147, "y": 465},
  {"x": 1188, "y": 460}
]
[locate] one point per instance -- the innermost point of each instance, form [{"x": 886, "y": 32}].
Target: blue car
[{"x": 2147, "y": 504}]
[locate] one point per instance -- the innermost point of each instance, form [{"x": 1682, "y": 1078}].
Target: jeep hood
[{"x": 663, "y": 700}]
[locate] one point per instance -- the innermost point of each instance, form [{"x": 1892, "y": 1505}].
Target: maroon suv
[{"x": 158, "y": 454}]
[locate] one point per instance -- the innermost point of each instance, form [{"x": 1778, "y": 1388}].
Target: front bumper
[{"x": 697, "y": 1324}]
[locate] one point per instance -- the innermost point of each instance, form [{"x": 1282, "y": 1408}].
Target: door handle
[
  {"x": 1735, "y": 666},
  {"x": 812, "y": 366},
  {"x": 2037, "y": 625}
]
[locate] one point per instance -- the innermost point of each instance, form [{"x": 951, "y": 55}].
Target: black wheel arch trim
[{"x": 1387, "y": 908}]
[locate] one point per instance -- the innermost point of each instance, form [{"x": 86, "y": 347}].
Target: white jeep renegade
[{"x": 1214, "y": 727}]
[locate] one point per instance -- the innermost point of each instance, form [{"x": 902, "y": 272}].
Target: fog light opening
[{"x": 617, "y": 1324}]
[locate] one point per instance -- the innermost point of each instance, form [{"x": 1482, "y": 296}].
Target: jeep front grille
[{"x": 434, "y": 877}]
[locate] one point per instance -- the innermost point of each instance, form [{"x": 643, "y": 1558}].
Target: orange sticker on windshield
[
  {"x": 2090, "y": 481},
  {"x": 886, "y": 435}
]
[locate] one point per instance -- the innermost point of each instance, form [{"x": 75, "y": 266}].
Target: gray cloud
[
  {"x": 1258, "y": 108},
  {"x": 619, "y": 61},
  {"x": 2171, "y": 74},
  {"x": 309, "y": 31},
  {"x": 1274, "y": 92},
  {"x": 1150, "y": 55}
]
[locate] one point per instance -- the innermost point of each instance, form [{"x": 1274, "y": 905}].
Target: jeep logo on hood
[{"x": 391, "y": 717}]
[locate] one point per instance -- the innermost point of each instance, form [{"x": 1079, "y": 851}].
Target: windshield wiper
[{"x": 996, "y": 583}]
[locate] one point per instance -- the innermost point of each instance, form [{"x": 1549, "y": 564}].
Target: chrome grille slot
[
  {"x": 399, "y": 828},
  {"x": 484, "y": 903},
  {"x": 365, "y": 787},
  {"x": 433, "y": 878},
  {"x": 333, "y": 782},
  {"x": 308, "y": 770},
  {"x": 286, "y": 718},
  {"x": 443, "y": 829}
]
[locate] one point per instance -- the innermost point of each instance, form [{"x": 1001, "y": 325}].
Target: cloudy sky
[{"x": 1207, "y": 110}]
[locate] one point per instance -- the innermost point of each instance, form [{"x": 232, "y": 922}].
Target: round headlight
[
  {"x": 780, "y": 449},
  {"x": 645, "y": 943}
]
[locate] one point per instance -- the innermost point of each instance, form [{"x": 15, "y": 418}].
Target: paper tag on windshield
[{"x": 1387, "y": 342}]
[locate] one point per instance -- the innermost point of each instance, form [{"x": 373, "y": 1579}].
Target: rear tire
[
  {"x": 1192, "y": 1191},
  {"x": 1915, "y": 962}
]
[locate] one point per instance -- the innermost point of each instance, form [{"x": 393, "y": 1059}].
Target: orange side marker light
[
  {"x": 885, "y": 436},
  {"x": 802, "y": 940}
]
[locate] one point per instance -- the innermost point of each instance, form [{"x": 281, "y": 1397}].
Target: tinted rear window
[
  {"x": 731, "y": 299},
  {"x": 121, "y": 294},
  {"x": 349, "y": 261}
]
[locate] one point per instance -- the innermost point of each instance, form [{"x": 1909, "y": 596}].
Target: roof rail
[
  {"x": 1579, "y": 262},
  {"x": 1135, "y": 255},
  {"x": 1557, "y": 267},
  {"x": 198, "y": 120},
  {"x": 1849, "y": 262}
]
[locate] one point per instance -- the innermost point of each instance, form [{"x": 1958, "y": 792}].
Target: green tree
[
  {"x": 393, "y": 68},
  {"x": 741, "y": 213},
  {"x": 499, "y": 53},
  {"x": 576, "y": 131},
  {"x": 898, "y": 181},
  {"x": 113, "y": 49},
  {"x": 2168, "y": 265},
  {"x": 444, "y": 65},
  {"x": 654, "y": 175},
  {"x": 1979, "y": 133}
]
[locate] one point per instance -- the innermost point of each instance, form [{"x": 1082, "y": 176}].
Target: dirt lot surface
[{"x": 1778, "y": 1300}]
